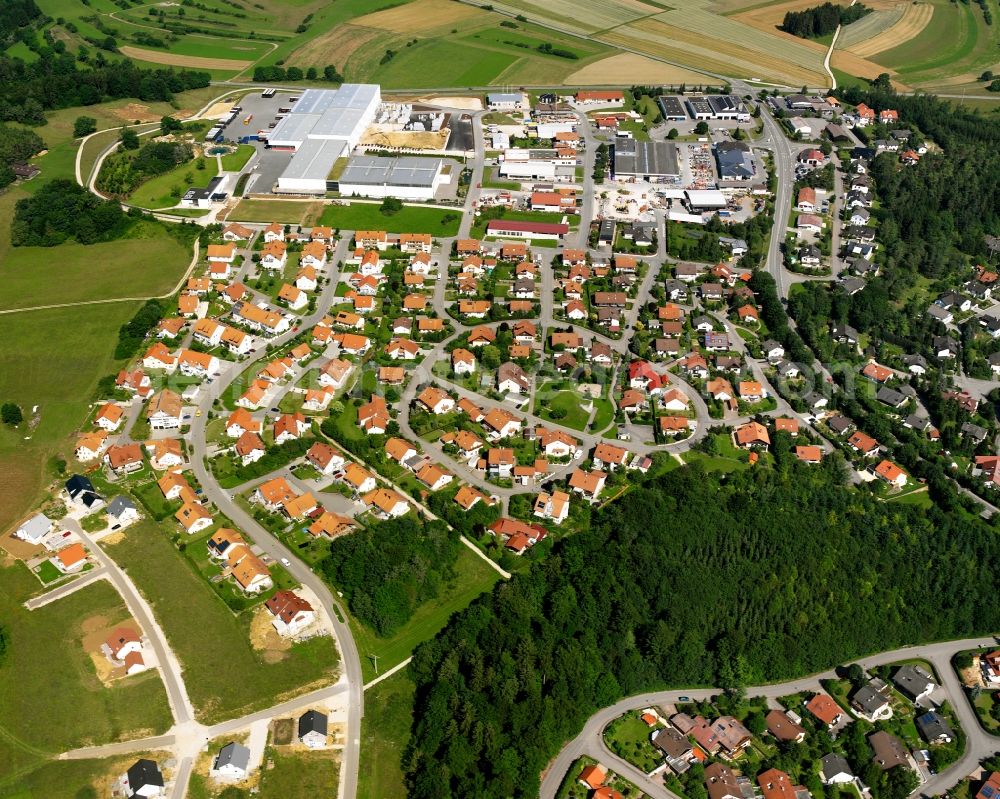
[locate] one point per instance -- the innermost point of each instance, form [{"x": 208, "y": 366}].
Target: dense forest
[
  {"x": 813, "y": 23},
  {"x": 61, "y": 210},
  {"x": 17, "y": 14},
  {"x": 57, "y": 81},
  {"x": 385, "y": 571},
  {"x": 695, "y": 580},
  {"x": 17, "y": 145}
]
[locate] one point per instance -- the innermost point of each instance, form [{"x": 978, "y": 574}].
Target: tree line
[
  {"x": 57, "y": 81},
  {"x": 695, "y": 580},
  {"x": 813, "y": 23}
]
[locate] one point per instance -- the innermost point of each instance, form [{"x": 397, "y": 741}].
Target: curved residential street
[{"x": 980, "y": 745}]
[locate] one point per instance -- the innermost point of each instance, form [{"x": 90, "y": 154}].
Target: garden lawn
[
  {"x": 299, "y": 775},
  {"x": 628, "y": 737},
  {"x": 410, "y": 219},
  {"x": 473, "y": 577},
  {"x": 208, "y": 639},
  {"x": 234, "y": 162},
  {"x": 47, "y": 667},
  {"x": 569, "y": 404},
  {"x": 166, "y": 190},
  {"x": 385, "y": 733},
  {"x": 604, "y": 415}
]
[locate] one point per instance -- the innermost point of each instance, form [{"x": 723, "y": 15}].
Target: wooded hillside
[{"x": 692, "y": 581}]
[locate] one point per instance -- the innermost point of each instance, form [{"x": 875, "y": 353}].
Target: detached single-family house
[{"x": 313, "y": 729}]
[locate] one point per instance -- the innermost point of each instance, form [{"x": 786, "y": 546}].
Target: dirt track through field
[
  {"x": 174, "y": 60},
  {"x": 914, "y": 20}
]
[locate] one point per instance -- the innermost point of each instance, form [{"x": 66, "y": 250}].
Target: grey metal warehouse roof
[
  {"x": 350, "y": 95},
  {"x": 371, "y": 170},
  {"x": 645, "y": 158},
  {"x": 292, "y": 130},
  {"x": 315, "y": 158},
  {"x": 338, "y": 123}
]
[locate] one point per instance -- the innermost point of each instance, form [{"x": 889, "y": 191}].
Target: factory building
[
  {"x": 408, "y": 177},
  {"x": 655, "y": 162},
  {"x": 323, "y": 125}
]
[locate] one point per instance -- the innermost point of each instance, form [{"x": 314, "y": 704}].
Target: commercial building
[
  {"x": 407, "y": 177},
  {"x": 718, "y": 107},
  {"x": 323, "y": 125},
  {"x": 653, "y": 161},
  {"x": 672, "y": 108},
  {"x": 735, "y": 161},
  {"x": 705, "y": 199},
  {"x": 506, "y": 101},
  {"x": 527, "y": 230},
  {"x": 548, "y": 165}
]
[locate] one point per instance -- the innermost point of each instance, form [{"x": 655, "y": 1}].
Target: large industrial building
[
  {"x": 718, "y": 107},
  {"x": 655, "y": 162},
  {"x": 408, "y": 177},
  {"x": 323, "y": 125}
]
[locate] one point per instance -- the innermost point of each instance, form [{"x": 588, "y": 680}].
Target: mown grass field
[
  {"x": 473, "y": 577},
  {"x": 47, "y": 667},
  {"x": 88, "y": 778},
  {"x": 299, "y": 775},
  {"x": 166, "y": 190},
  {"x": 385, "y": 732},
  {"x": 208, "y": 639},
  {"x": 52, "y": 359},
  {"x": 148, "y": 264},
  {"x": 411, "y": 219}
]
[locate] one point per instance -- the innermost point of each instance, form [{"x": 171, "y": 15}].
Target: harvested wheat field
[
  {"x": 174, "y": 60},
  {"x": 869, "y": 26},
  {"x": 914, "y": 20},
  {"x": 624, "y": 67},
  {"x": 714, "y": 55},
  {"x": 768, "y": 18},
  {"x": 852, "y": 64},
  {"x": 585, "y": 16},
  {"x": 338, "y": 44},
  {"x": 421, "y": 16}
]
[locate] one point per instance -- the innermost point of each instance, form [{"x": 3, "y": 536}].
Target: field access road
[{"x": 590, "y": 740}]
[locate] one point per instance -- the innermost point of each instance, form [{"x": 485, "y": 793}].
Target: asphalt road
[{"x": 271, "y": 546}]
